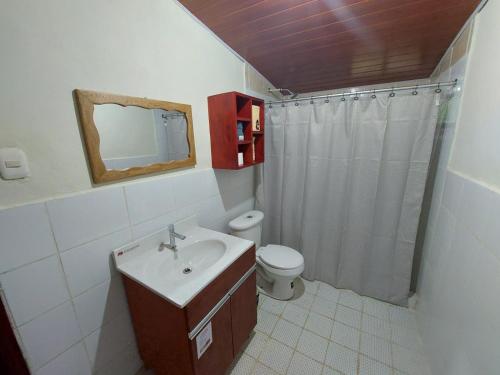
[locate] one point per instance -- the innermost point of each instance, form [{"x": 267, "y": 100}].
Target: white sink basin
[
  {"x": 187, "y": 263},
  {"x": 179, "y": 276}
]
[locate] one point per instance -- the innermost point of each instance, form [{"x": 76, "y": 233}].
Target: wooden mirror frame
[{"x": 85, "y": 102}]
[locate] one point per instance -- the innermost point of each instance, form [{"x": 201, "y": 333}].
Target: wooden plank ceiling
[{"x": 312, "y": 45}]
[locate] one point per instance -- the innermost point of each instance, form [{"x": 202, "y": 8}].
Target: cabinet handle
[
  {"x": 241, "y": 281},
  {"x": 219, "y": 304}
]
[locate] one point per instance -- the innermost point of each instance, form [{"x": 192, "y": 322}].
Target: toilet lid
[{"x": 281, "y": 257}]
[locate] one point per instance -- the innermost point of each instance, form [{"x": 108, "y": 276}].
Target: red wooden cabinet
[
  {"x": 167, "y": 336},
  {"x": 224, "y": 112}
]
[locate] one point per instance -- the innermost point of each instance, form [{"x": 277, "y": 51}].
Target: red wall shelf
[{"x": 224, "y": 112}]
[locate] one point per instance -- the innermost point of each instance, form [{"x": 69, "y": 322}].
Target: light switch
[{"x": 13, "y": 163}]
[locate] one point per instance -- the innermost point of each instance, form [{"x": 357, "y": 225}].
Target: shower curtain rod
[{"x": 373, "y": 91}]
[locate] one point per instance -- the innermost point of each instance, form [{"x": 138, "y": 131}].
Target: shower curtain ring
[
  {"x": 282, "y": 104},
  {"x": 296, "y": 104},
  {"x": 356, "y": 97},
  {"x": 327, "y": 100},
  {"x": 392, "y": 94},
  {"x": 311, "y": 101},
  {"x": 343, "y": 97},
  {"x": 438, "y": 90},
  {"x": 373, "y": 95},
  {"x": 415, "y": 92}
]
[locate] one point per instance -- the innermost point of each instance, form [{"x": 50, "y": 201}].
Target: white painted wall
[
  {"x": 65, "y": 298},
  {"x": 476, "y": 149},
  {"x": 149, "y": 49}
]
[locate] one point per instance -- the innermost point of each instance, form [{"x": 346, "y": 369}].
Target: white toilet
[{"x": 277, "y": 266}]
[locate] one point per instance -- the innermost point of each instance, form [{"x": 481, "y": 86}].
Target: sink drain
[{"x": 187, "y": 270}]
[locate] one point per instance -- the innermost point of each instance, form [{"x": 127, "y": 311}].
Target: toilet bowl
[{"x": 277, "y": 266}]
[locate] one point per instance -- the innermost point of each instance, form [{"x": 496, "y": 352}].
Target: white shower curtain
[{"x": 343, "y": 184}]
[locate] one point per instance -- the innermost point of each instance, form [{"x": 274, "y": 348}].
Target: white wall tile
[
  {"x": 87, "y": 227},
  {"x": 90, "y": 264},
  {"x": 458, "y": 310},
  {"x": 150, "y": 199},
  {"x": 73, "y": 361},
  {"x": 34, "y": 289},
  {"x": 480, "y": 213},
  {"x": 126, "y": 362},
  {"x": 452, "y": 192},
  {"x": 25, "y": 236},
  {"x": 82, "y": 218},
  {"x": 49, "y": 335},
  {"x": 154, "y": 225},
  {"x": 105, "y": 343},
  {"x": 100, "y": 304},
  {"x": 195, "y": 186}
]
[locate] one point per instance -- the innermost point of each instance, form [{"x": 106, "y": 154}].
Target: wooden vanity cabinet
[{"x": 166, "y": 334}]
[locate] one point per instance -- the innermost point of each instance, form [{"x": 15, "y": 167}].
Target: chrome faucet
[{"x": 173, "y": 235}]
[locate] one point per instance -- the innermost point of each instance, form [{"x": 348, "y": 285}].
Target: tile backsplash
[{"x": 66, "y": 300}]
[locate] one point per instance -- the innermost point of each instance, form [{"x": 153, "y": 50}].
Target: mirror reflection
[{"x": 133, "y": 136}]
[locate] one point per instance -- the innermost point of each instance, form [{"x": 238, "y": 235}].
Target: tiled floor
[
  {"x": 334, "y": 332},
  {"x": 327, "y": 331}
]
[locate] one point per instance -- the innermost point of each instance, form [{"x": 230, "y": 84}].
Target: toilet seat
[{"x": 280, "y": 257}]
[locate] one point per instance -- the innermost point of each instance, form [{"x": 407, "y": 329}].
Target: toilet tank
[{"x": 248, "y": 226}]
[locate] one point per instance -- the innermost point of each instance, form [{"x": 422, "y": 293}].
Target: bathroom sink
[
  {"x": 179, "y": 276},
  {"x": 187, "y": 263}
]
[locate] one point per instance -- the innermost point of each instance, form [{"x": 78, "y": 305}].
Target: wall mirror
[{"x": 127, "y": 136}]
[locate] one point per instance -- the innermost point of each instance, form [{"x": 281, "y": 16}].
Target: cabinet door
[
  {"x": 243, "y": 312},
  {"x": 219, "y": 354}
]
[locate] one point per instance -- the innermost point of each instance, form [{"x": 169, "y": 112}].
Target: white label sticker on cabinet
[{"x": 204, "y": 339}]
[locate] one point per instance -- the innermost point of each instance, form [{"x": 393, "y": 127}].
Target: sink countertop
[{"x": 141, "y": 261}]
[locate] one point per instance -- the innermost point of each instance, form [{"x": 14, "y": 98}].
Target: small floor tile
[
  {"x": 276, "y": 356},
  {"x": 409, "y": 361},
  {"x": 286, "y": 333},
  {"x": 348, "y": 316},
  {"x": 243, "y": 365},
  {"x": 328, "y": 292},
  {"x": 375, "y": 326},
  {"x": 302, "y": 365},
  {"x": 342, "y": 358},
  {"x": 330, "y": 371},
  {"x": 376, "y": 348},
  {"x": 313, "y": 346},
  {"x": 350, "y": 299},
  {"x": 346, "y": 335},
  {"x": 311, "y": 286},
  {"x": 305, "y": 300},
  {"x": 295, "y": 314},
  {"x": 324, "y": 307},
  {"x": 255, "y": 344},
  {"x": 407, "y": 338},
  {"x": 265, "y": 321},
  {"x": 319, "y": 324},
  {"x": 376, "y": 308},
  {"x": 402, "y": 317},
  {"x": 260, "y": 369},
  {"x": 273, "y": 306},
  {"x": 368, "y": 366}
]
